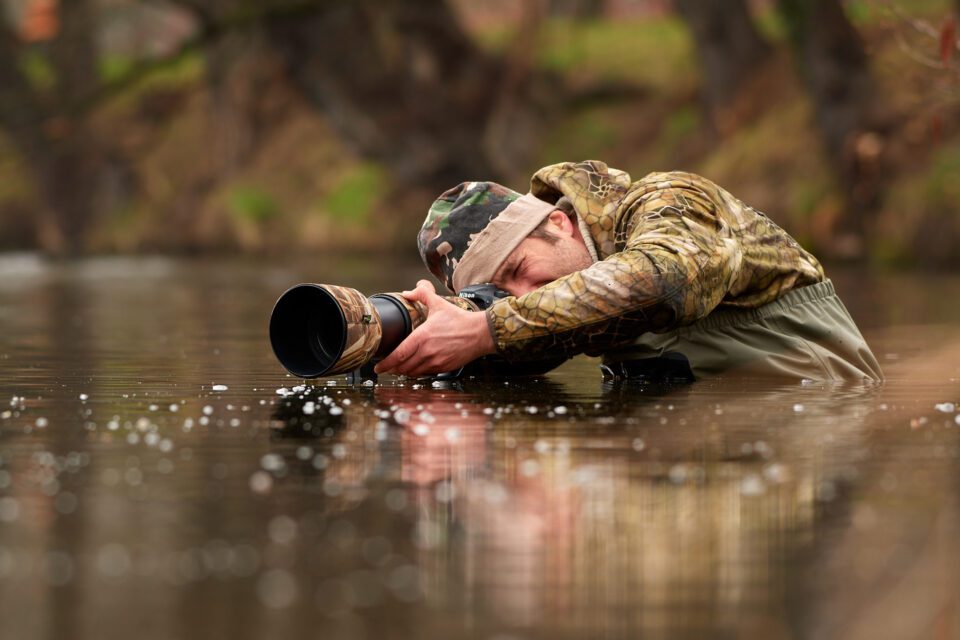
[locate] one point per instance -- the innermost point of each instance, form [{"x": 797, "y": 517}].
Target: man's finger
[
  {"x": 402, "y": 353},
  {"x": 421, "y": 284},
  {"x": 430, "y": 296},
  {"x": 424, "y": 294},
  {"x": 414, "y": 366},
  {"x": 389, "y": 363}
]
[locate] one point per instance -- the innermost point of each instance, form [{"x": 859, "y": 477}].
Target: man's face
[{"x": 537, "y": 261}]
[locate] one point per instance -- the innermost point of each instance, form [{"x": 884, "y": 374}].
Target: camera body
[{"x": 482, "y": 295}]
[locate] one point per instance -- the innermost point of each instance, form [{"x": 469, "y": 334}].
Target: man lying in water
[{"x": 669, "y": 276}]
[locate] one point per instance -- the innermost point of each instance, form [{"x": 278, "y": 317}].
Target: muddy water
[{"x": 161, "y": 477}]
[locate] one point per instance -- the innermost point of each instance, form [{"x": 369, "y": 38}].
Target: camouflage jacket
[{"x": 672, "y": 247}]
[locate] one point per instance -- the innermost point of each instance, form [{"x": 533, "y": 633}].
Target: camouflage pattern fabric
[
  {"x": 363, "y": 332},
  {"x": 364, "y": 327},
  {"x": 673, "y": 247},
  {"x": 454, "y": 220},
  {"x": 418, "y": 311}
]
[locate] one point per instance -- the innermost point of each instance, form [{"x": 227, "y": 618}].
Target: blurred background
[
  {"x": 162, "y": 478},
  {"x": 198, "y": 126}
]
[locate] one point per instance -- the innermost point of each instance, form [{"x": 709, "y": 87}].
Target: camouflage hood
[{"x": 593, "y": 190}]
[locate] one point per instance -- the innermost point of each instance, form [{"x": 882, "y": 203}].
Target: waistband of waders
[{"x": 721, "y": 318}]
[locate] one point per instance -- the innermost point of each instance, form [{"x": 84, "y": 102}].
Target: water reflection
[{"x": 160, "y": 477}]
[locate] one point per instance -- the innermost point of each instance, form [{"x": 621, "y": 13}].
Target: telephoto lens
[{"x": 323, "y": 330}]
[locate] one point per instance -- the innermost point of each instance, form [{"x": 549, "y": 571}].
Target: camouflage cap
[
  {"x": 454, "y": 221},
  {"x": 473, "y": 228}
]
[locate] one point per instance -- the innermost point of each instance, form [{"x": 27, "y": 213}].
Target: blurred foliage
[
  {"x": 297, "y": 183},
  {"x": 942, "y": 185},
  {"x": 860, "y": 12},
  {"x": 114, "y": 67},
  {"x": 178, "y": 72},
  {"x": 607, "y": 50},
  {"x": 252, "y": 203},
  {"x": 354, "y": 196},
  {"x": 16, "y": 184},
  {"x": 678, "y": 125},
  {"x": 621, "y": 50},
  {"x": 925, "y": 229},
  {"x": 583, "y": 135},
  {"x": 38, "y": 71}
]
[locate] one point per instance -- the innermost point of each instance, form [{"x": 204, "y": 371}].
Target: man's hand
[{"x": 449, "y": 338}]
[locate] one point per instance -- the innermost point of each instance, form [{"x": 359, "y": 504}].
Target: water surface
[{"x": 162, "y": 477}]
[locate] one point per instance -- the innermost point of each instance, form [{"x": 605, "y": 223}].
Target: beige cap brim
[{"x": 496, "y": 242}]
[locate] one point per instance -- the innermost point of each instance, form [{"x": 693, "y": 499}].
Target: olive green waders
[{"x": 806, "y": 334}]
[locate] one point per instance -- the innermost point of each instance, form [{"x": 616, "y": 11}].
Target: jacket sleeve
[{"x": 678, "y": 261}]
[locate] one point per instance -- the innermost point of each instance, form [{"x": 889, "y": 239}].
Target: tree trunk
[
  {"x": 835, "y": 69},
  {"x": 399, "y": 81},
  {"x": 728, "y": 46},
  {"x": 74, "y": 55},
  {"x": 834, "y": 66},
  {"x": 238, "y": 75},
  {"x": 402, "y": 83},
  {"x": 70, "y": 176},
  {"x": 49, "y": 131}
]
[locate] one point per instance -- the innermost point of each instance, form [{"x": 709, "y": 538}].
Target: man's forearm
[{"x": 611, "y": 302}]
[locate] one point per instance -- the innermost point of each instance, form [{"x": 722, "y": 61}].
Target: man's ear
[{"x": 560, "y": 222}]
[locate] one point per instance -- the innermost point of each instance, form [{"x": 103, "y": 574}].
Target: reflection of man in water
[
  {"x": 668, "y": 276},
  {"x": 559, "y": 527}
]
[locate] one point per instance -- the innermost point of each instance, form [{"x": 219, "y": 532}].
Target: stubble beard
[{"x": 573, "y": 256}]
